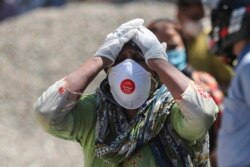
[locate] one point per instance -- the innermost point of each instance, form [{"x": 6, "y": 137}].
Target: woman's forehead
[
  {"x": 129, "y": 49},
  {"x": 129, "y": 52},
  {"x": 133, "y": 45}
]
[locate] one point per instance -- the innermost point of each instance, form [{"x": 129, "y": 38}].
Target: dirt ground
[{"x": 40, "y": 47}]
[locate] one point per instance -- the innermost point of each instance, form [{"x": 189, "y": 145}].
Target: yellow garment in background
[{"x": 201, "y": 59}]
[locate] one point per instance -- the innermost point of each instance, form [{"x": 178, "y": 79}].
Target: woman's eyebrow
[{"x": 139, "y": 56}]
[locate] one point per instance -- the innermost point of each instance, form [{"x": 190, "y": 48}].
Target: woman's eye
[
  {"x": 140, "y": 60},
  {"x": 138, "y": 57},
  {"x": 119, "y": 60},
  {"x": 171, "y": 46}
]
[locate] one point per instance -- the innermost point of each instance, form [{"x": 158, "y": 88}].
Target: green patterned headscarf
[{"x": 116, "y": 137}]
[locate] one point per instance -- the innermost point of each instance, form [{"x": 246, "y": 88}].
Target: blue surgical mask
[{"x": 178, "y": 58}]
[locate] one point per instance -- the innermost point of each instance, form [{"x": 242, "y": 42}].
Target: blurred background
[{"x": 40, "y": 42}]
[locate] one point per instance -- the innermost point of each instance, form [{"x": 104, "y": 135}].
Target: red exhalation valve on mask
[{"x": 127, "y": 86}]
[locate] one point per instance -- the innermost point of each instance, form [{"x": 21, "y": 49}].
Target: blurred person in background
[
  {"x": 167, "y": 31},
  {"x": 28, "y": 5},
  {"x": 8, "y": 8},
  {"x": 145, "y": 113},
  {"x": 231, "y": 37},
  {"x": 195, "y": 27}
]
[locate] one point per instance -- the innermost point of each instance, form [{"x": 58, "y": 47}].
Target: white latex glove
[
  {"x": 150, "y": 45},
  {"x": 115, "y": 40}
]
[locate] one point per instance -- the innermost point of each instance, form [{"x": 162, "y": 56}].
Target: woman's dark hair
[
  {"x": 152, "y": 26},
  {"x": 188, "y": 3}
]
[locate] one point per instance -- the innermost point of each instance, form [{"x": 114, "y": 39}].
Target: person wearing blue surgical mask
[
  {"x": 165, "y": 30},
  {"x": 178, "y": 58}
]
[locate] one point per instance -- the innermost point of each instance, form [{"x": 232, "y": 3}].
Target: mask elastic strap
[
  {"x": 156, "y": 83},
  {"x": 108, "y": 70}
]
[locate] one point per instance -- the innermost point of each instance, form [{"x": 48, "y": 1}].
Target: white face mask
[
  {"x": 130, "y": 84},
  {"x": 192, "y": 28}
]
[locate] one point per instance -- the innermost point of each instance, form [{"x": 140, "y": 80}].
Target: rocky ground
[{"x": 40, "y": 47}]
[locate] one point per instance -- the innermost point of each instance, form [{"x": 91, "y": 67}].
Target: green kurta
[{"x": 79, "y": 125}]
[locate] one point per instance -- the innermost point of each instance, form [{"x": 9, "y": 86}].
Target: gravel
[{"x": 40, "y": 47}]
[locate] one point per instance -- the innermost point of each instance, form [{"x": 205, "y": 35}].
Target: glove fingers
[
  {"x": 164, "y": 45},
  {"x": 142, "y": 39},
  {"x": 132, "y": 24},
  {"x": 109, "y": 49},
  {"x": 124, "y": 28},
  {"x": 128, "y": 36},
  {"x": 110, "y": 36},
  {"x": 149, "y": 44},
  {"x": 114, "y": 41}
]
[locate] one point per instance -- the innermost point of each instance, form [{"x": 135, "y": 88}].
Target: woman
[{"x": 144, "y": 113}]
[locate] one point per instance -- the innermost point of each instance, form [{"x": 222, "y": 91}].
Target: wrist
[
  {"x": 102, "y": 62},
  {"x": 156, "y": 63}
]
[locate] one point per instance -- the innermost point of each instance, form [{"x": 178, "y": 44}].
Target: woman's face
[
  {"x": 190, "y": 19},
  {"x": 166, "y": 32},
  {"x": 129, "y": 52}
]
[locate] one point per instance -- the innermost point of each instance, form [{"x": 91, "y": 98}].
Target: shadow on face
[{"x": 131, "y": 51}]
